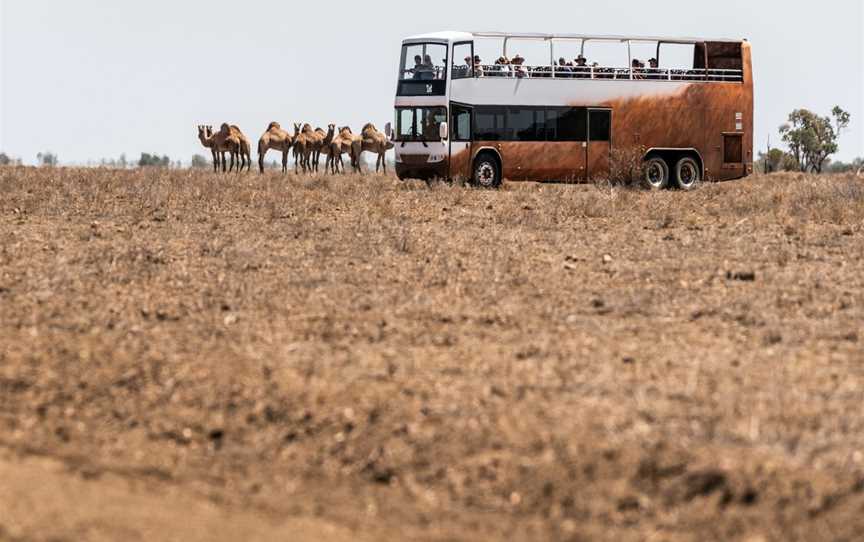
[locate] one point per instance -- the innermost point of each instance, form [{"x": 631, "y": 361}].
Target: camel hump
[
  {"x": 369, "y": 126},
  {"x": 224, "y": 128},
  {"x": 274, "y": 125}
]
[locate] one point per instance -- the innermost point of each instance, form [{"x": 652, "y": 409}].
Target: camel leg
[
  {"x": 215, "y": 161},
  {"x": 224, "y": 163},
  {"x": 284, "y": 162},
  {"x": 261, "y": 155}
]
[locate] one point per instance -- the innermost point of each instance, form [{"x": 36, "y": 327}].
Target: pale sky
[{"x": 92, "y": 79}]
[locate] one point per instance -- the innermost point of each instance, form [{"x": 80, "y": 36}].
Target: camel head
[
  {"x": 296, "y": 129},
  {"x": 201, "y": 131},
  {"x": 209, "y": 131}
]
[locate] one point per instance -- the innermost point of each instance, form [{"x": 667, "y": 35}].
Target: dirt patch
[{"x": 437, "y": 363}]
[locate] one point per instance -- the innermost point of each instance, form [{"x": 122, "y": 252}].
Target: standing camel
[
  {"x": 345, "y": 143},
  {"x": 277, "y": 139},
  {"x": 377, "y": 142},
  {"x": 245, "y": 149},
  {"x": 206, "y": 140},
  {"x": 302, "y": 146},
  {"x": 318, "y": 136},
  {"x": 326, "y": 144},
  {"x": 224, "y": 143}
]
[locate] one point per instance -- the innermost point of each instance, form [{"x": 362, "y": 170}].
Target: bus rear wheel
[
  {"x": 656, "y": 173},
  {"x": 687, "y": 174},
  {"x": 487, "y": 173}
]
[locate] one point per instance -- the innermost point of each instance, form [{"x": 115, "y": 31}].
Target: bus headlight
[{"x": 435, "y": 158}]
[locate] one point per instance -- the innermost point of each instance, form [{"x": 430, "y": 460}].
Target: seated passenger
[
  {"x": 581, "y": 69},
  {"x": 561, "y": 70},
  {"x": 478, "y": 66},
  {"x": 417, "y": 69},
  {"x": 653, "y": 69},
  {"x": 519, "y": 70},
  {"x": 636, "y": 68},
  {"x": 427, "y": 68}
]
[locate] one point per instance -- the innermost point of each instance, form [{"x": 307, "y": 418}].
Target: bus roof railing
[{"x": 600, "y": 37}]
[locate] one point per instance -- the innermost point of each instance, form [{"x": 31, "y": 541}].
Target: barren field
[{"x": 192, "y": 357}]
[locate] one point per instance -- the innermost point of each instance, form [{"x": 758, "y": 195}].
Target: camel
[
  {"x": 317, "y": 138},
  {"x": 224, "y": 142},
  {"x": 326, "y": 144},
  {"x": 245, "y": 149},
  {"x": 302, "y": 146},
  {"x": 205, "y": 138},
  {"x": 377, "y": 142},
  {"x": 277, "y": 139},
  {"x": 345, "y": 142}
]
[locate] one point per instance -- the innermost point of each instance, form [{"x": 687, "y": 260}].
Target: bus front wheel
[
  {"x": 687, "y": 174},
  {"x": 487, "y": 173},
  {"x": 656, "y": 173}
]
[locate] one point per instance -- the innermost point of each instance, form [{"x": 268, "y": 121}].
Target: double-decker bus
[{"x": 688, "y": 112}]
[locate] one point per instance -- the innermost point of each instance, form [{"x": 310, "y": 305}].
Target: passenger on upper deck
[
  {"x": 636, "y": 68},
  {"x": 427, "y": 68},
  {"x": 502, "y": 67},
  {"x": 581, "y": 70},
  {"x": 562, "y": 69},
  {"x": 519, "y": 69},
  {"x": 418, "y": 65},
  {"x": 654, "y": 71},
  {"x": 478, "y": 66}
]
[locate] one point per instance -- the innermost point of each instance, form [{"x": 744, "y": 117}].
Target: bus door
[
  {"x": 599, "y": 142},
  {"x": 460, "y": 142}
]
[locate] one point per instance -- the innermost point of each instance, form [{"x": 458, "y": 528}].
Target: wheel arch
[
  {"x": 489, "y": 150},
  {"x": 672, "y": 154}
]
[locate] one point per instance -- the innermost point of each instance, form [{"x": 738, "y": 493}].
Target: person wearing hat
[
  {"x": 519, "y": 70},
  {"x": 478, "y": 66},
  {"x": 581, "y": 70},
  {"x": 654, "y": 72}
]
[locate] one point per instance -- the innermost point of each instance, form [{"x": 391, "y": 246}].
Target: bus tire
[
  {"x": 687, "y": 173},
  {"x": 486, "y": 171},
  {"x": 656, "y": 173}
]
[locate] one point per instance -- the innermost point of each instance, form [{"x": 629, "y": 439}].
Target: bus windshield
[
  {"x": 419, "y": 123},
  {"x": 423, "y": 62}
]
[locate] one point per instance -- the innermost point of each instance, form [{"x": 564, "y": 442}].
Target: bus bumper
[{"x": 426, "y": 172}]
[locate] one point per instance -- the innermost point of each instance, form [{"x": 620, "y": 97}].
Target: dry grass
[{"x": 445, "y": 363}]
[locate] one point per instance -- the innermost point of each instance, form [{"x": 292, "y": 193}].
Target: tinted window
[
  {"x": 489, "y": 124},
  {"x": 552, "y": 116},
  {"x": 572, "y": 125},
  {"x": 600, "y": 125},
  {"x": 461, "y": 123},
  {"x": 526, "y": 124}
]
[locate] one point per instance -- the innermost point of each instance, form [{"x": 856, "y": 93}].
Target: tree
[
  {"x": 4, "y": 159},
  {"x": 153, "y": 160},
  {"x": 771, "y": 161},
  {"x": 813, "y": 139},
  {"x": 200, "y": 162},
  {"x": 47, "y": 159}
]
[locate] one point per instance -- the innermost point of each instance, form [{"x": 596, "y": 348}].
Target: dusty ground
[{"x": 189, "y": 357}]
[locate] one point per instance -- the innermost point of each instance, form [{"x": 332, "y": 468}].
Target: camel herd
[{"x": 306, "y": 144}]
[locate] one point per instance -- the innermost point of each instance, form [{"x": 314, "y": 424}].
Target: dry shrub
[{"x": 627, "y": 166}]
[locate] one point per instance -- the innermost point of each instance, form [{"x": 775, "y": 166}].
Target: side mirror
[
  {"x": 443, "y": 131},
  {"x": 388, "y": 130}
]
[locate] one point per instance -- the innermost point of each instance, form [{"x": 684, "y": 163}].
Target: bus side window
[
  {"x": 489, "y": 123},
  {"x": 461, "y": 123},
  {"x": 573, "y": 124},
  {"x": 600, "y": 126}
]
